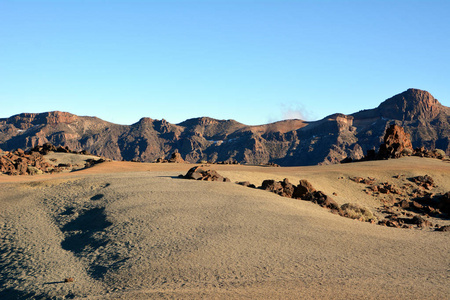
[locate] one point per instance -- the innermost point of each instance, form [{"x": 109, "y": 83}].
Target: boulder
[
  {"x": 272, "y": 186},
  {"x": 403, "y": 204},
  {"x": 288, "y": 188},
  {"x": 323, "y": 200},
  {"x": 283, "y": 188},
  {"x": 202, "y": 173},
  {"x": 420, "y": 222},
  {"x": 303, "y": 189}
]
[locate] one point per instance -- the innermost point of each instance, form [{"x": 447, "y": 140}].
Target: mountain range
[{"x": 287, "y": 143}]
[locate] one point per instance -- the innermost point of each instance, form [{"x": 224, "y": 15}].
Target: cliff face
[{"x": 290, "y": 142}]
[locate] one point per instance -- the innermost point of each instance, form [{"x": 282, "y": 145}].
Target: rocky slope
[{"x": 289, "y": 142}]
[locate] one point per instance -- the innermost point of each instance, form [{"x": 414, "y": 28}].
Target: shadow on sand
[{"x": 80, "y": 236}]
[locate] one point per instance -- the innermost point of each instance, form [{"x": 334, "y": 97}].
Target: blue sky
[{"x": 252, "y": 61}]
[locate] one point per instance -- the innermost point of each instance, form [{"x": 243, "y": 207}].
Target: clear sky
[{"x": 252, "y": 61}]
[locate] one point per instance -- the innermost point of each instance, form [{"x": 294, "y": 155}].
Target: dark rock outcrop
[
  {"x": 246, "y": 184},
  {"x": 204, "y": 173},
  {"x": 304, "y": 191},
  {"x": 397, "y": 143}
]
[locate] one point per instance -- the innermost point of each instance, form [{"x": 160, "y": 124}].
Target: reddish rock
[
  {"x": 391, "y": 223},
  {"x": 272, "y": 186},
  {"x": 421, "y": 222},
  {"x": 356, "y": 179},
  {"x": 373, "y": 188},
  {"x": 397, "y": 143},
  {"x": 404, "y": 204},
  {"x": 288, "y": 188},
  {"x": 424, "y": 181},
  {"x": 416, "y": 205},
  {"x": 18, "y": 162},
  {"x": 283, "y": 188},
  {"x": 303, "y": 190}
]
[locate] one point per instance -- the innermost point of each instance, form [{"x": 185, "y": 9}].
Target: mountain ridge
[{"x": 288, "y": 142}]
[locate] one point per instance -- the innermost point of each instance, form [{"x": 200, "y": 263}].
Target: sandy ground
[{"x": 135, "y": 231}]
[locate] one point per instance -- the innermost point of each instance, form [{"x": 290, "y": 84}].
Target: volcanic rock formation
[
  {"x": 289, "y": 142},
  {"x": 205, "y": 174}
]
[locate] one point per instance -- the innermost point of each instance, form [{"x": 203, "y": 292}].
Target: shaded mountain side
[
  {"x": 422, "y": 116},
  {"x": 289, "y": 142}
]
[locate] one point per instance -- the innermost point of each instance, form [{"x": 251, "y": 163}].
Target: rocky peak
[
  {"x": 342, "y": 120},
  {"x": 409, "y": 105},
  {"x": 202, "y": 121},
  {"x": 210, "y": 127},
  {"x": 57, "y": 117},
  {"x": 145, "y": 120}
]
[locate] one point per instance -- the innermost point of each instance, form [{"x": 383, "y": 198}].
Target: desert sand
[{"x": 127, "y": 230}]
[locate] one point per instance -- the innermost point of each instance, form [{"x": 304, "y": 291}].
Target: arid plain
[{"x": 126, "y": 230}]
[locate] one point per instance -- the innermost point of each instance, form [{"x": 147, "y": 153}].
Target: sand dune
[{"x": 135, "y": 231}]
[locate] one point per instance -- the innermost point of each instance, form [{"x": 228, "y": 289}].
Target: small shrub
[{"x": 355, "y": 211}]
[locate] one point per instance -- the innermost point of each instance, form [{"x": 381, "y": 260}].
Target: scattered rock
[
  {"x": 21, "y": 163},
  {"x": 436, "y": 153},
  {"x": 368, "y": 180},
  {"x": 271, "y": 164},
  {"x": 424, "y": 181},
  {"x": 32, "y": 162}
]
